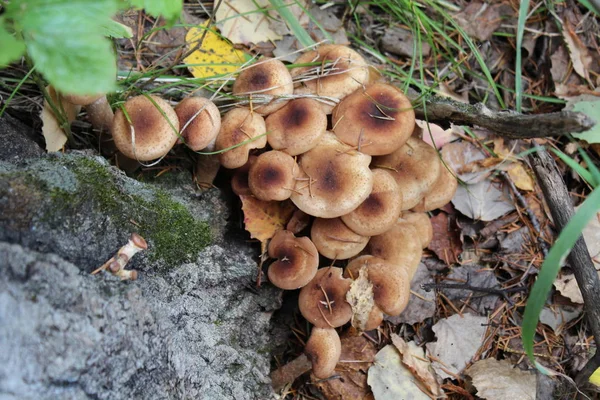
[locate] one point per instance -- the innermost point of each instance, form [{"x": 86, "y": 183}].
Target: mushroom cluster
[
  {"x": 343, "y": 148},
  {"x": 339, "y": 144}
]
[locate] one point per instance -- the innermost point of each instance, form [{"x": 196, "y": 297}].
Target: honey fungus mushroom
[
  {"x": 152, "y": 131},
  {"x": 415, "y": 166},
  {"x": 323, "y": 301},
  {"x": 440, "y": 194},
  {"x": 333, "y": 179},
  {"x": 341, "y": 71},
  {"x": 335, "y": 240},
  {"x": 323, "y": 349},
  {"x": 272, "y": 176},
  {"x": 297, "y": 260},
  {"x": 238, "y": 126},
  {"x": 380, "y": 210},
  {"x": 239, "y": 180},
  {"x": 199, "y": 121},
  {"x": 266, "y": 78},
  {"x": 377, "y": 119},
  {"x": 297, "y": 127}
]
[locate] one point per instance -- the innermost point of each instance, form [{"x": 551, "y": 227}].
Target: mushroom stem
[
  {"x": 117, "y": 263},
  {"x": 289, "y": 372},
  {"x": 100, "y": 114}
]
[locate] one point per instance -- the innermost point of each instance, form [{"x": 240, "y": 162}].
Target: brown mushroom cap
[
  {"x": 239, "y": 180},
  {"x": 422, "y": 224},
  {"x": 379, "y": 118},
  {"x": 237, "y": 126},
  {"x": 333, "y": 179},
  {"x": 323, "y": 301},
  {"x": 297, "y": 127},
  {"x": 153, "y": 134},
  {"x": 199, "y": 121},
  {"x": 267, "y": 77},
  {"x": 335, "y": 240},
  {"x": 323, "y": 349},
  {"x": 399, "y": 246},
  {"x": 272, "y": 176},
  {"x": 391, "y": 284},
  {"x": 82, "y": 99},
  {"x": 298, "y": 222},
  {"x": 297, "y": 260},
  {"x": 380, "y": 210},
  {"x": 346, "y": 72},
  {"x": 440, "y": 194},
  {"x": 415, "y": 166}
]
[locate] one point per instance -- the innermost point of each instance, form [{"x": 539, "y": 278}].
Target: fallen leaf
[
  {"x": 421, "y": 304},
  {"x": 215, "y": 56},
  {"x": 557, "y": 316},
  {"x": 54, "y": 135},
  {"x": 435, "y": 135},
  {"x": 446, "y": 242},
  {"x": 458, "y": 154},
  {"x": 360, "y": 298},
  {"x": 499, "y": 380},
  {"x": 245, "y": 22},
  {"x": 578, "y": 51},
  {"x": 459, "y": 338},
  {"x": 413, "y": 357},
  {"x": 357, "y": 356},
  {"x": 592, "y": 110},
  {"x": 263, "y": 218},
  {"x": 567, "y": 286},
  {"x": 482, "y": 201},
  {"x": 446, "y": 91},
  {"x": 480, "y": 20},
  {"x": 389, "y": 379},
  {"x": 477, "y": 276},
  {"x": 520, "y": 177},
  {"x": 560, "y": 65}
]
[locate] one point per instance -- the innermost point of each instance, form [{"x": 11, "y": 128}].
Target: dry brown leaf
[
  {"x": 53, "y": 133},
  {"x": 458, "y": 339},
  {"x": 579, "y": 52},
  {"x": 413, "y": 357},
  {"x": 242, "y": 21},
  {"x": 480, "y": 20},
  {"x": 357, "y": 356},
  {"x": 360, "y": 298},
  {"x": 499, "y": 380},
  {"x": 263, "y": 218},
  {"x": 518, "y": 174},
  {"x": 446, "y": 242}
]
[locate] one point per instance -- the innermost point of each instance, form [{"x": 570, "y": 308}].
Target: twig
[
  {"x": 559, "y": 202},
  {"x": 504, "y": 123},
  {"x": 465, "y": 286}
]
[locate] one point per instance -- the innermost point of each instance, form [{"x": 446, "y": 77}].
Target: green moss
[{"x": 173, "y": 233}]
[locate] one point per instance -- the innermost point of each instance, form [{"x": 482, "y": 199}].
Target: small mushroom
[
  {"x": 98, "y": 110},
  {"x": 298, "y": 222},
  {"x": 422, "y": 224},
  {"x": 391, "y": 284},
  {"x": 238, "y": 126},
  {"x": 153, "y": 129},
  {"x": 199, "y": 122},
  {"x": 323, "y": 301},
  {"x": 323, "y": 349},
  {"x": 380, "y": 210},
  {"x": 335, "y": 240},
  {"x": 297, "y": 127},
  {"x": 267, "y": 79},
  {"x": 333, "y": 179},
  {"x": 272, "y": 176},
  {"x": 415, "y": 166},
  {"x": 376, "y": 119},
  {"x": 401, "y": 246},
  {"x": 341, "y": 71},
  {"x": 440, "y": 194},
  {"x": 297, "y": 260}
]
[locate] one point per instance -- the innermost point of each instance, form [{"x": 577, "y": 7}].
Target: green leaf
[
  {"x": 65, "y": 40},
  {"x": 591, "y": 109},
  {"x": 559, "y": 251},
  {"x": 12, "y": 48},
  {"x": 117, "y": 30},
  {"x": 169, "y": 9}
]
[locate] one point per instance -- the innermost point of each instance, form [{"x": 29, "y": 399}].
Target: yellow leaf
[
  {"x": 263, "y": 218},
  {"x": 520, "y": 177},
  {"x": 214, "y": 56},
  {"x": 595, "y": 378}
]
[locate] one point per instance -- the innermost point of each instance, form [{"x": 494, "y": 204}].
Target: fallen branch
[
  {"x": 505, "y": 123},
  {"x": 561, "y": 208}
]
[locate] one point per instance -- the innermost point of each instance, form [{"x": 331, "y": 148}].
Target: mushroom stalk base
[{"x": 289, "y": 372}]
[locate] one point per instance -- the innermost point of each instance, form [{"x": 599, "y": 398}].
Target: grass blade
[
  {"x": 574, "y": 165},
  {"x": 559, "y": 251},
  {"x": 523, "y": 9},
  {"x": 297, "y": 29}
]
